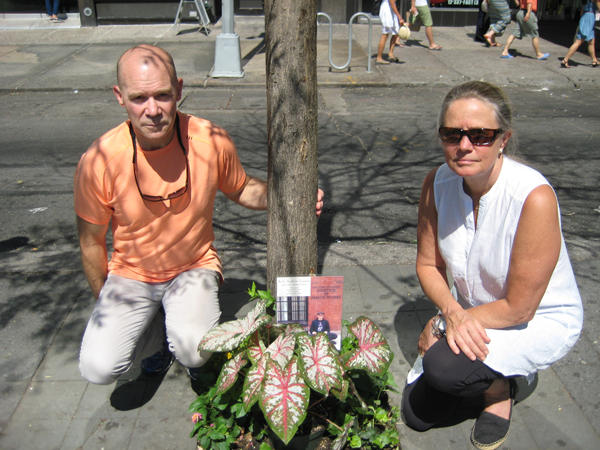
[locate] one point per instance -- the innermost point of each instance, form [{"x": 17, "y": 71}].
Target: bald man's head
[
  {"x": 148, "y": 88},
  {"x": 145, "y": 55}
]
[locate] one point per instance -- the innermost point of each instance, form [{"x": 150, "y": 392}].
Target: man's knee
[
  {"x": 185, "y": 348},
  {"x": 99, "y": 370}
]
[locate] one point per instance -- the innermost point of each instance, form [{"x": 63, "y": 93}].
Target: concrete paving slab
[
  {"x": 194, "y": 60},
  {"x": 172, "y": 399},
  {"x": 96, "y": 401},
  {"x": 174, "y": 434},
  {"x": 194, "y": 99},
  {"x": 40, "y": 401},
  {"x": 580, "y": 377},
  {"x": 23, "y": 66},
  {"x": 438, "y": 438},
  {"x": 90, "y": 67},
  {"x": 408, "y": 328},
  {"x": 20, "y": 365},
  {"x": 11, "y": 393},
  {"x": 564, "y": 427},
  {"x": 23, "y": 36},
  {"x": 89, "y": 434},
  {"x": 39, "y": 433},
  {"x": 59, "y": 364}
]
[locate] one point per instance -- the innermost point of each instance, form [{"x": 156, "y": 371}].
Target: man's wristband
[{"x": 438, "y": 326}]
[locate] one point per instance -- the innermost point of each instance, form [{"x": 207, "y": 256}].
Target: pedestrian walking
[
  {"x": 52, "y": 9},
  {"x": 585, "y": 32},
  {"x": 390, "y": 24},
  {"x": 424, "y": 15},
  {"x": 527, "y": 26},
  {"x": 499, "y": 19}
]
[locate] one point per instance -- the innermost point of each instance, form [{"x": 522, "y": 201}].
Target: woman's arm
[
  {"x": 463, "y": 332},
  {"x": 395, "y": 11}
]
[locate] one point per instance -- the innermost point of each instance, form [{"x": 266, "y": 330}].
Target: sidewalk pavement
[
  {"x": 45, "y": 402},
  {"x": 40, "y": 55}
]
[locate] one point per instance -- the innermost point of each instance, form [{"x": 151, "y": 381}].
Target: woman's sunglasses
[{"x": 477, "y": 136}]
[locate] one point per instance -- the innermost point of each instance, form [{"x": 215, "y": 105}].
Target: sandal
[
  {"x": 565, "y": 64},
  {"x": 594, "y": 63}
]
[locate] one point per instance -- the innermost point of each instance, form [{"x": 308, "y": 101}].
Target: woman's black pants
[{"x": 447, "y": 379}]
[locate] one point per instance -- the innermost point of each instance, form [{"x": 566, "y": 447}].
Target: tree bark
[{"x": 292, "y": 122}]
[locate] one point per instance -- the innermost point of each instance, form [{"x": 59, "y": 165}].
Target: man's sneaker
[
  {"x": 193, "y": 373},
  {"x": 158, "y": 363}
]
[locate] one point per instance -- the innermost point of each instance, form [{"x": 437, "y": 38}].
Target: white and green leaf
[
  {"x": 229, "y": 373},
  {"x": 229, "y": 335},
  {"x": 281, "y": 349},
  {"x": 373, "y": 353},
  {"x": 253, "y": 383},
  {"x": 319, "y": 363},
  {"x": 284, "y": 398}
]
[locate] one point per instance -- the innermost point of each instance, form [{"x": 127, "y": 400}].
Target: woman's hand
[
  {"x": 427, "y": 339},
  {"x": 465, "y": 333}
]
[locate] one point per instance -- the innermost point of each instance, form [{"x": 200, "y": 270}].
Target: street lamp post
[{"x": 228, "y": 60}]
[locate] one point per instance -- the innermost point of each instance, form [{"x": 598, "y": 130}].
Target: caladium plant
[{"x": 286, "y": 364}]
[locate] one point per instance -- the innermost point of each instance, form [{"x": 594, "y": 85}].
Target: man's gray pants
[{"x": 127, "y": 326}]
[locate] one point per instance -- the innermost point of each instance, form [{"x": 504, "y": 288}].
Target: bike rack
[{"x": 349, "y": 39}]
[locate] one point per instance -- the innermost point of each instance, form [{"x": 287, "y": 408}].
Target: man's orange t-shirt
[{"x": 156, "y": 241}]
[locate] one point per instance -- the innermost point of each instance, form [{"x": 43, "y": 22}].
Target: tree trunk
[{"x": 292, "y": 110}]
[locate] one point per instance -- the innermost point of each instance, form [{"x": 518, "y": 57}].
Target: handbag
[{"x": 376, "y": 7}]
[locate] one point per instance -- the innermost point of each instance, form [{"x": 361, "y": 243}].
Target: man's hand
[{"x": 320, "y": 197}]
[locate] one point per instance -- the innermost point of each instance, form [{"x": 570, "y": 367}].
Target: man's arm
[
  {"x": 528, "y": 13},
  {"x": 94, "y": 256},
  {"x": 253, "y": 195}
]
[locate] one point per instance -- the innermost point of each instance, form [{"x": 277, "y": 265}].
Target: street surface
[{"x": 375, "y": 147}]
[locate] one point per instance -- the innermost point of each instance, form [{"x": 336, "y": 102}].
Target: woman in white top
[
  {"x": 514, "y": 308},
  {"x": 390, "y": 23}
]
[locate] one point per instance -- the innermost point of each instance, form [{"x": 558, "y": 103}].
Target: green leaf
[
  {"x": 381, "y": 415},
  {"x": 342, "y": 439},
  {"x": 215, "y": 435},
  {"x": 199, "y": 402},
  {"x": 265, "y": 446},
  {"x": 284, "y": 398},
  {"x": 319, "y": 363},
  {"x": 205, "y": 442},
  {"x": 373, "y": 353},
  {"x": 355, "y": 442}
]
